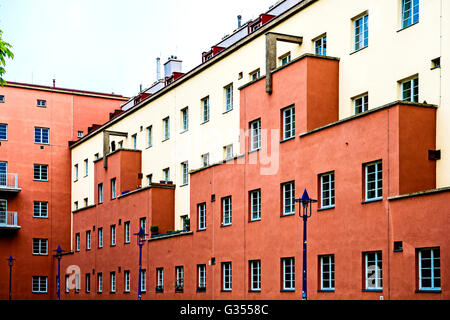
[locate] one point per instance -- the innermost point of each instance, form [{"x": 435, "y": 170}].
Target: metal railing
[
  {"x": 8, "y": 219},
  {"x": 9, "y": 180}
]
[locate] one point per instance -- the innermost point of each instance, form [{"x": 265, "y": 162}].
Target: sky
[{"x": 111, "y": 46}]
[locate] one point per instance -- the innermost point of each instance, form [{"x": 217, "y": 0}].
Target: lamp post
[
  {"x": 10, "y": 263},
  {"x": 306, "y": 202},
  {"x": 58, "y": 256},
  {"x": 141, "y": 235}
]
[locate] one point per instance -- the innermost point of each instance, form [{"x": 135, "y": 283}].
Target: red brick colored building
[
  {"x": 37, "y": 124},
  {"x": 378, "y": 231}
]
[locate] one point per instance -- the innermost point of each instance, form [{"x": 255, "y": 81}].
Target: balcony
[
  {"x": 8, "y": 220},
  {"x": 9, "y": 184}
]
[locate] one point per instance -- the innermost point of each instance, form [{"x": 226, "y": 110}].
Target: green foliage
[{"x": 5, "y": 52}]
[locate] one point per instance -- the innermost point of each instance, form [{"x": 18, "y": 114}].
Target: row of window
[
  {"x": 39, "y": 102},
  {"x": 428, "y": 275},
  {"x": 373, "y": 186},
  {"x": 40, "y": 171},
  {"x": 41, "y": 135}
]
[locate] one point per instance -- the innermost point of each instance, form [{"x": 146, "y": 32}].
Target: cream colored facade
[{"x": 393, "y": 54}]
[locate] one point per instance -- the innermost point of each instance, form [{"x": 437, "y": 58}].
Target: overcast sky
[{"x": 112, "y": 45}]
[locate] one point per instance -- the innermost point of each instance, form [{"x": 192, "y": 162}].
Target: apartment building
[{"x": 37, "y": 123}]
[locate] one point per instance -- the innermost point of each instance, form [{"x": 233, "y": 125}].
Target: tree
[{"x": 5, "y": 52}]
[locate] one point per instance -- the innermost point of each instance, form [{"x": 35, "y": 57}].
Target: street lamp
[
  {"x": 306, "y": 202},
  {"x": 10, "y": 263},
  {"x": 141, "y": 236},
  {"x": 58, "y": 256}
]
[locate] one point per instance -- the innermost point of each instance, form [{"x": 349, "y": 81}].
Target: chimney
[
  {"x": 158, "y": 69},
  {"x": 239, "y": 17},
  {"x": 172, "y": 65}
]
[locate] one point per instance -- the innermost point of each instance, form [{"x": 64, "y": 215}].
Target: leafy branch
[{"x": 5, "y": 52}]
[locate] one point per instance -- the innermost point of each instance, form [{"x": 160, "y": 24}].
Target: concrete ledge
[
  {"x": 171, "y": 235},
  {"x": 420, "y": 193}
]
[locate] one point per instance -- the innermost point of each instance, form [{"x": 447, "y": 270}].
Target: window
[
  {"x": 201, "y": 268},
  {"x": 149, "y": 179},
  {"x": 2, "y": 99},
  {"x": 86, "y": 167},
  {"x": 202, "y": 216},
  {"x": 374, "y": 181},
  {"x": 100, "y": 193},
  {"x": 327, "y": 190},
  {"x": 39, "y": 284},
  {"x": 185, "y": 173},
  {"x": 166, "y": 128},
  {"x": 320, "y": 46},
  {"x": 40, "y": 172},
  {"x": 255, "y": 135},
  {"x": 255, "y": 275},
  {"x": 410, "y": 90},
  {"x": 75, "y": 168},
  {"x": 149, "y": 136},
  {"x": 410, "y": 12},
  {"x": 80, "y": 134},
  {"x": 134, "y": 141},
  {"x": 228, "y": 152},
  {"x": 127, "y": 279},
  {"x": 288, "y": 271},
  {"x": 185, "y": 119},
  {"x": 113, "y": 235},
  {"x": 205, "y": 109},
  {"x": 85, "y": 202},
  {"x": 113, "y": 188},
  {"x": 40, "y": 209},
  {"x": 288, "y": 123},
  {"x": 88, "y": 240},
  {"x": 41, "y": 135},
  {"x": 361, "y": 30},
  {"x": 112, "y": 276},
  {"x": 166, "y": 174},
  {"x": 228, "y": 91},
  {"x": 159, "y": 279},
  {"x": 226, "y": 211},
  {"x": 100, "y": 282},
  {"x": 143, "y": 224},
  {"x": 327, "y": 272},
  {"x": 67, "y": 283},
  {"x": 429, "y": 269},
  {"x": 75, "y": 205},
  {"x": 143, "y": 283},
  {"x": 436, "y": 63},
  {"x": 285, "y": 59},
  {"x": 127, "y": 232},
  {"x": 226, "y": 276},
  {"x": 88, "y": 283},
  {"x": 41, "y": 103},
  {"x": 77, "y": 242},
  {"x": 255, "y": 205},
  {"x": 3, "y": 131},
  {"x": 40, "y": 247},
  {"x": 288, "y": 194},
  {"x": 254, "y": 75},
  {"x": 373, "y": 270},
  {"x": 205, "y": 160},
  {"x": 77, "y": 282},
  {"x": 179, "y": 275},
  {"x": 361, "y": 104},
  {"x": 100, "y": 237}
]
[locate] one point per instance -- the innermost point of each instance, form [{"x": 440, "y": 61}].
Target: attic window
[
  {"x": 80, "y": 134},
  {"x": 436, "y": 63}
]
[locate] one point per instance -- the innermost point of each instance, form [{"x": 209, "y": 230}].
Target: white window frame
[
  {"x": 40, "y": 247},
  {"x": 377, "y": 189},
  {"x": 88, "y": 240},
  {"x": 201, "y": 208},
  {"x": 127, "y": 280},
  {"x": 255, "y": 275},
  {"x": 201, "y": 268},
  {"x": 127, "y": 232},
  {"x": 80, "y": 134},
  {"x": 432, "y": 268},
  {"x": 226, "y": 211},
  {"x": 66, "y": 278},
  {"x": 288, "y": 273},
  {"x": 288, "y": 122},
  {"x": 255, "y": 135},
  {"x": 143, "y": 283},
  {"x": 166, "y": 174},
  {"x": 166, "y": 128},
  {"x": 185, "y": 173},
  {"x": 255, "y": 205},
  {"x": 75, "y": 167},
  {"x": 88, "y": 282},
  {"x": 228, "y": 152},
  {"x": 360, "y": 29},
  {"x": 228, "y": 93},
  {"x": 330, "y": 276},
  {"x": 41, "y": 169},
  {"x": 185, "y": 119},
  {"x": 160, "y": 277},
  {"x": 77, "y": 242},
  {"x": 179, "y": 272},
  {"x": 40, "y": 209},
  {"x": 205, "y": 160},
  {"x": 288, "y": 188},
  {"x": 227, "y": 276},
  {"x": 134, "y": 141},
  {"x": 149, "y": 136},
  {"x": 40, "y": 138},
  {"x": 113, "y": 235},
  {"x": 285, "y": 59},
  {"x": 100, "y": 282},
  {"x": 100, "y": 192},
  {"x": 412, "y": 93},
  {"x": 5, "y": 130},
  {"x": 255, "y": 75},
  {"x": 411, "y": 15},
  {"x": 42, "y": 284},
  {"x": 205, "y": 109},
  {"x": 320, "y": 45},
  {"x": 362, "y": 102},
  {"x": 100, "y": 237},
  {"x": 373, "y": 270},
  {"x": 327, "y": 186},
  {"x": 41, "y": 103},
  {"x": 113, "y": 188},
  {"x": 143, "y": 225},
  {"x": 86, "y": 167}
]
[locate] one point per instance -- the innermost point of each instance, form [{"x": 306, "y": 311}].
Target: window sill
[
  {"x": 184, "y": 185},
  {"x": 409, "y": 26},
  {"x": 254, "y": 291},
  {"x": 225, "y": 225},
  {"x": 372, "y": 200},
  {"x": 326, "y": 291},
  {"x": 204, "y": 122},
  {"x": 226, "y": 290},
  {"x": 201, "y": 289},
  {"x": 437, "y": 67},
  {"x": 254, "y": 220},
  {"x": 159, "y": 290},
  {"x": 112, "y": 292},
  {"x": 358, "y": 50},
  {"x": 226, "y": 111},
  {"x": 428, "y": 291},
  {"x": 126, "y": 292},
  {"x": 165, "y": 139},
  {"x": 287, "y": 139},
  {"x": 372, "y": 290},
  {"x": 184, "y": 131},
  {"x": 252, "y": 151},
  {"x": 287, "y": 215},
  {"x": 148, "y": 147},
  {"x": 325, "y": 208},
  {"x": 287, "y": 290},
  {"x": 200, "y": 230}
]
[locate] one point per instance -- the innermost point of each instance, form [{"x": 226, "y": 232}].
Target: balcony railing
[
  {"x": 9, "y": 181},
  {"x": 8, "y": 220}
]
